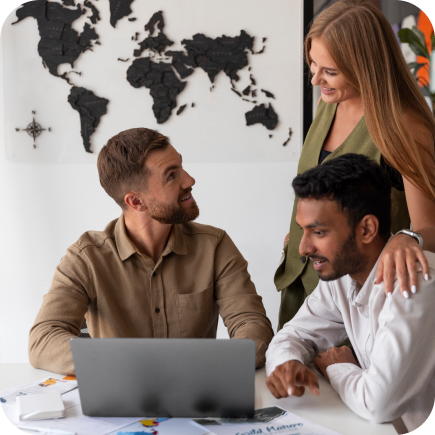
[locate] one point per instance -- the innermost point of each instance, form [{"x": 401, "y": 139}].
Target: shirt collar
[
  {"x": 361, "y": 298},
  {"x": 176, "y": 242},
  {"x": 124, "y": 245},
  {"x": 126, "y": 248}
]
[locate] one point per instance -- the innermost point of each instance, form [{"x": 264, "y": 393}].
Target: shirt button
[
  {"x": 154, "y": 274},
  {"x": 157, "y": 310}
]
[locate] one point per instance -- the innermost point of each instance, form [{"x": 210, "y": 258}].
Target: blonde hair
[{"x": 362, "y": 44}]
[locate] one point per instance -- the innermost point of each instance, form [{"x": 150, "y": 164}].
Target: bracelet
[{"x": 415, "y": 236}]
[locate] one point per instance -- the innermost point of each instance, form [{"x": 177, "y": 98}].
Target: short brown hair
[{"x": 121, "y": 161}]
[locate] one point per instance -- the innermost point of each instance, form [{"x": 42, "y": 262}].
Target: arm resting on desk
[
  {"x": 239, "y": 304},
  {"x": 61, "y": 315}
]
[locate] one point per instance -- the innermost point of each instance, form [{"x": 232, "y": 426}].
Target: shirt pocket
[{"x": 195, "y": 313}]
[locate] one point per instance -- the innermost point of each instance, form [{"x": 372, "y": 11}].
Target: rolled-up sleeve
[
  {"x": 60, "y": 316},
  {"x": 240, "y": 306}
]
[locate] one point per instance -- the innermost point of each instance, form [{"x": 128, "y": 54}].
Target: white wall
[
  {"x": 46, "y": 207},
  {"x": 218, "y": 118}
]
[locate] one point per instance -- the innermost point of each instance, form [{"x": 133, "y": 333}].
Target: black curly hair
[{"x": 359, "y": 185}]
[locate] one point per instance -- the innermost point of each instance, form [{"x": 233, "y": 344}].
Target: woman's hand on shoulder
[{"x": 400, "y": 256}]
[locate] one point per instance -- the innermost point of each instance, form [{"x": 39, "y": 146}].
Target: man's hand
[
  {"x": 333, "y": 355},
  {"x": 290, "y": 379}
]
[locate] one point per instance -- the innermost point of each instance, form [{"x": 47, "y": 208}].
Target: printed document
[
  {"x": 50, "y": 385},
  {"x": 163, "y": 426},
  {"x": 80, "y": 424},
  {"x": 272, "y": 421}
]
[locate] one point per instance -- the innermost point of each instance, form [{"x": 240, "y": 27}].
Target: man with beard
[
  {"x": 152, "y": 272},
  {"x": 344, "y": 213}
]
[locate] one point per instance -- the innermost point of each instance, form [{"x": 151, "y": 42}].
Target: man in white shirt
[{"x": 344, "y": 213}]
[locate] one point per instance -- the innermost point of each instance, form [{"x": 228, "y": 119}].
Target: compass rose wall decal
[{"x": 33, "y": 129}]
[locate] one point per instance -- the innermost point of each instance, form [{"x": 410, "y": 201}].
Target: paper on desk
[
  {"x": 273, "y": 420},
  {"x": 80, "y": 424},
  {"x": 163, "y": 426},
  {"x": 45, "y": 385},
  {"x": 74, "y": 420}
]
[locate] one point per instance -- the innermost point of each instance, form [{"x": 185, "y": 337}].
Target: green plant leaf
[
  {"x": 419, "y": 50},
  {"x": 405, "y": 35},
  {"x": 415, "y": 66},
  {"x": 420, "y": 35},
  {"x": 415, "y": 39}
]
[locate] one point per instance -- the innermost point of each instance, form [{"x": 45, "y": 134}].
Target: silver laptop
[{"x": 151, "y": 377}]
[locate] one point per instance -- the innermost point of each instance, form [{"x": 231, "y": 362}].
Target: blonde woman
[{"x": 371, "y": 105}]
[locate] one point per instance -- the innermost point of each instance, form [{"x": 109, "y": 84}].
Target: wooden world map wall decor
[{"x": 72, "y": 35}]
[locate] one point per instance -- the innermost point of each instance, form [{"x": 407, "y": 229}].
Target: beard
[
  {"x": 175, "y": 213},
  {"x": 348, "y": 261}
]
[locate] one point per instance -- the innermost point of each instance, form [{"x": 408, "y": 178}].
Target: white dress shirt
[{"x": 393, "y": 338}]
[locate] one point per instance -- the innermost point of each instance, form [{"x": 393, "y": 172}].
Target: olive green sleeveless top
[{"x": 358, "y": 141}]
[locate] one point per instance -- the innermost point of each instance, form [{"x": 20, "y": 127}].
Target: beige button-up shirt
[{"x": 122, "y": 293}]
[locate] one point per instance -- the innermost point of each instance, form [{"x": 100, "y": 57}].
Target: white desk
[{"x": 327, "y": 409}]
